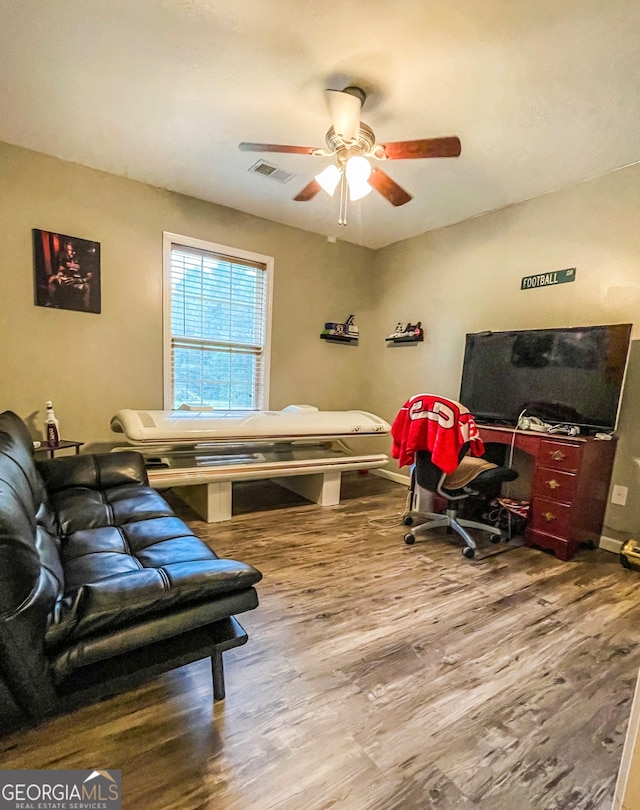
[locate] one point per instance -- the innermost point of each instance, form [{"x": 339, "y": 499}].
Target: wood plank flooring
[{"x": 379, "y": 676}]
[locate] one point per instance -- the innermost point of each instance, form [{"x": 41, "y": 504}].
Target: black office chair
[{"x": 472, "y": 477}]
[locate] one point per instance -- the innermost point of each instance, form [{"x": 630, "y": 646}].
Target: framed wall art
[{"x": 67, "y": 271}]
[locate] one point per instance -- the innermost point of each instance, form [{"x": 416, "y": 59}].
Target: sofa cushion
[
  {"x": 93, "y": 471},
  {"x": 31, "y": 574},
  {"x": 29, "y": 560},
  {"x": 90, "y": 555},
  {"x": 105, "y": 489},
  {"x": 16, "y": 447},
  {"x": 80, "y": 508},
  {"x": 114, "y": 575},
  {"x": 28, "y": 532},
  {"x": 147, "y": 631}
]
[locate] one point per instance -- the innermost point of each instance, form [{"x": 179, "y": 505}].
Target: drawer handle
[
  {"x": 553, "y": 484},
  {"x": 558, "y": 455},
  {"x": 549, "y": 516}
]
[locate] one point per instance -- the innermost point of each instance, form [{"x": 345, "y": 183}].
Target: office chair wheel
[
  {"x": 495, "y": 538},
  {"x": 407, "y": 520},
  {"x": 468, "y": 552},
  {"x": 409, "y": 539}
]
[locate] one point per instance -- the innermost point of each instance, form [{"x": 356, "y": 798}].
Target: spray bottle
[{"x": 52, "y": 427}]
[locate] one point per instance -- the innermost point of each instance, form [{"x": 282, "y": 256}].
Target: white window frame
[{"x": 168, "y": 240}]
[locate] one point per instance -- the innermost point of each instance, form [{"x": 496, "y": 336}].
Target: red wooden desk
[{"x": 570, "y": 485}]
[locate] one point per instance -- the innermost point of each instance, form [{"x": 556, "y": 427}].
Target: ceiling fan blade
[
  {"x": 425, "y": 148},
  {"x": 308, "y": 192},
  {"x": 388, "y": 188},
  {"x": 344, "y": 108},
  {"x": 274, "y": 147}
]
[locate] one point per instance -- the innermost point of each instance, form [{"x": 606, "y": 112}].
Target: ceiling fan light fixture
[
  {"x": 329, "y": 178},
  {"x": 358, "y": 171},
  {"x": 348, "y": 140},
  {"x": 359, "y": 190}
]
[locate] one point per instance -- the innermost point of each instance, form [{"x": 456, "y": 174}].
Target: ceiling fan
[{"x": 351, "y": 142}]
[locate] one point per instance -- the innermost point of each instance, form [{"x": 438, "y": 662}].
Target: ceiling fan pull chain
[{"x": 342, "y": 219}]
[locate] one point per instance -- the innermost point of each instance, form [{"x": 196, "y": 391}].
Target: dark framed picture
[{"x": 67, "y": 271}]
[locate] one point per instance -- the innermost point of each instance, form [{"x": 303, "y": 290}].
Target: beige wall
[
  {"x": 460, "y": 279},
  {"x": 466, "y": 278},
  {"x": 93, "y": 365}
]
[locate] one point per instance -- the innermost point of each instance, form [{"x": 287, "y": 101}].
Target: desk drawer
[
  {"x": 556, "y": 484},
  {"x": 550, "y": 517},
  {"x": 559, "y": 455},
  {"x": 563, "y": 549}
]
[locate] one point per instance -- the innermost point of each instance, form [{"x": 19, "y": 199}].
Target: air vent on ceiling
[{"x": 272, "y": 172}]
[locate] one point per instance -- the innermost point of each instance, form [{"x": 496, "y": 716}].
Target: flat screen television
[{"x": 571, "y": 376}]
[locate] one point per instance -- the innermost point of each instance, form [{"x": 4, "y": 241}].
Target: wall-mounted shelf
[
  {"x": 339, "y": 338},
  {"x": 405, "y": 339},
  {"x": 407, "y": 333},
  {"x": 346, "y": 332}
]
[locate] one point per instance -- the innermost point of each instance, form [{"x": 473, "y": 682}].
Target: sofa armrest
[{"x": 93, "y": 471}]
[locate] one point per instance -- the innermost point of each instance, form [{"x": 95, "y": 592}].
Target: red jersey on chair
[{"x": 441, "y": 426}]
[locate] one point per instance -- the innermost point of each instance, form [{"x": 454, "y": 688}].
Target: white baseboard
[
  {"x": 609, "y": 544},
  {"x": 405, "y": 480}
]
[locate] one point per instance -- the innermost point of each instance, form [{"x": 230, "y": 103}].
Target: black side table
[{"x": 63, "y": 444}]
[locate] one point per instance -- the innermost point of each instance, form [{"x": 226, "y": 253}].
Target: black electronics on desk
[{"x": 571, "y": 376}]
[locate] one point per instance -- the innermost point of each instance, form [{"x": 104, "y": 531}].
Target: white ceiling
[{"x": 542, "y": 93}]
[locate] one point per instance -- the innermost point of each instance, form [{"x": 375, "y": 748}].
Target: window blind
[{"x": 218, "y": 327}]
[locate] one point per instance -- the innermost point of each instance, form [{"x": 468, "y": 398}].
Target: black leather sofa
[{"x": 101, "y": 585}]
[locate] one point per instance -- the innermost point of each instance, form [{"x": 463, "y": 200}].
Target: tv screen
[{"x": 570, "y": 376}]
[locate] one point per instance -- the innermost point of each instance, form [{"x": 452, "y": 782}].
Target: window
[{"x": 217, "y": 326}]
